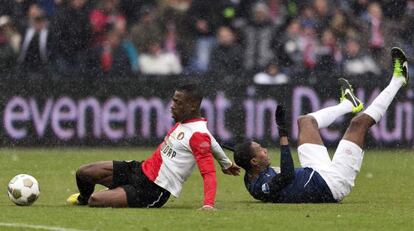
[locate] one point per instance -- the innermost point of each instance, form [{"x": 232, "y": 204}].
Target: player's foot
[
  {"x": 347, "y": 93},
  {"x": 400, "y": 64},
  {"x": 73, "y": 199}
]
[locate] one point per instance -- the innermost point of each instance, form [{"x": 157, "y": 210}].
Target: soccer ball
[{"x": 23, "y": 189}]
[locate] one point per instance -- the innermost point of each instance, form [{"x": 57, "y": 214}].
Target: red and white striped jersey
[{"x": 186, "y": 144}]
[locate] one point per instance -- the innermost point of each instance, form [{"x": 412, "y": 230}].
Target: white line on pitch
[{"x": 41, "y": 227}]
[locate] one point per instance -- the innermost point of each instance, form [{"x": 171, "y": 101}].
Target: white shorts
[{"x": 338, "y": 173}]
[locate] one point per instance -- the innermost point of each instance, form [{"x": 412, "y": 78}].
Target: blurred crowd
[{"x": 262, "y": 41}]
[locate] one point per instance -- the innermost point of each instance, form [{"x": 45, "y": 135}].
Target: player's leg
[
  {"x": 87, "y": 176},
  {"x": 310, "y": 124},
  {"x": 360, "y": 125},
  {"x": 116, "y": 197},
  {"x": 347, "y": 159},
  {"x": 130, "y": 187},
  {"x": 312, "y": 152}
]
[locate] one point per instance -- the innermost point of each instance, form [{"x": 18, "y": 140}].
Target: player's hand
[
  {"x": 233, "y": 170},
  {"x": 207, "y": 208},
  {"x": 280, "y": 115}
]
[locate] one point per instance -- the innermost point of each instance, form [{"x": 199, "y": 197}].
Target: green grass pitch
[{"x": 381, "y": 200}]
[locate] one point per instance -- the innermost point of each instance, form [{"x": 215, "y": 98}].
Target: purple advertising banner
[{"x": 103, "y": 114}]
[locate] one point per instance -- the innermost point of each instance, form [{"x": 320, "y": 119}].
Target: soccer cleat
[
  {"x": 73, "y": 199},
  {"x": 400, "y": 64},
  {"x": 347, "y": 93}
]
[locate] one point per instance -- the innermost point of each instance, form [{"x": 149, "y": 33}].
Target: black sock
[{"x": 85, "y": 189}]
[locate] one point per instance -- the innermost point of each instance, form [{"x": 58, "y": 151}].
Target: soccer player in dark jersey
[
  {"x": 149, "y": 183},
  {"x": 320, "y": 179}
]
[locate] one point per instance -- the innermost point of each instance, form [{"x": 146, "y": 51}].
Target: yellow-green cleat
[
  {"x": 73, "y": 199},
  {"x": 347, "y": 93},
  {"x": 400, "y": 64}
]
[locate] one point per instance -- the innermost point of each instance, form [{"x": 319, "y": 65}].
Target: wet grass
[{"x": 381, "y": 200}]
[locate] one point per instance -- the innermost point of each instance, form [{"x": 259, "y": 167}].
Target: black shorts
[{"x": 140, "y": 191}]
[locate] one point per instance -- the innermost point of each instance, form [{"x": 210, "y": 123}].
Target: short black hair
[
  {"x": 192, "y": 90},
  {"x": 243, "y": 155}
]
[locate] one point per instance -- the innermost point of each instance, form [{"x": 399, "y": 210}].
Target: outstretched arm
[
  {"x": 227, "y": 166},
  {"x": 200, "y": 144},
  {"x": 287, "y": 168}
]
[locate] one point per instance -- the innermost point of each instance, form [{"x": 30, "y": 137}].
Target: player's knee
[
  {"x": 84, "y": 171},
  {"x": 94, "y": 201},
  {"x": 359, "y": 122},
  {"x": 306, "y": 120}
]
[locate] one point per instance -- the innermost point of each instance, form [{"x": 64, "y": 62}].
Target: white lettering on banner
[
  {"x": 64, "y": 111},
  {"x": 249, "y": 109},
  {"x": 221, "y": 106},
  {"x": 115, "y": 118},
  {"x": 40, "y": 119},
  {"x": 163, "y": 118},
  {"x": 114, "y": 111},
  {"x": 92, "y": 105},
  {"x": 16, "y": 111}
]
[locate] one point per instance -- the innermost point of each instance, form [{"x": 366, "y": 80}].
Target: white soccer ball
[{"x": 23, "y": 189}]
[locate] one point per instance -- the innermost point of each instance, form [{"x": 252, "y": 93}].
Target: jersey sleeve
[
  {"x": 286, "y": 175},
  {"x": 200, "y": 144},
  {"x": 220, "y": 155}
]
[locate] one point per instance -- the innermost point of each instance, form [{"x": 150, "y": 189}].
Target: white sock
[
  {"x": 380, "y": 104},
  {"x": 327, "y": 116}
]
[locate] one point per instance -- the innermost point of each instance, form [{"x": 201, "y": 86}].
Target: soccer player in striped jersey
[
  {"x": 320, "y": 180},
  {"x": 149, "y": 183}
]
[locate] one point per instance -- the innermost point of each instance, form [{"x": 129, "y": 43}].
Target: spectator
[
  {"x": 289, "y": 49},
  {"x": 49, "y": 6},
  {"x": 145, "y": 30},
  {"x": 277, "y": 12},
  {"x": 11, "y": 34},
  {"x": 8, "y": 50},
  {"x": 258, "y": 37},
  {"x": 71, "y": 38},
  {"x": 132, "y": 9},
  {"x": 17, "y": 10},
  {"x": 175, "y": 28},
  {"x": 322, "y": 14},
  {"x": 226, "y": 61},
  {"x": 109, "y": 58},
  {"x": 359, "y": 7},
  {"x": 204, "y": 18},
  {"x": 35, "y": 48},
  {"x": 155, "y": 61},
  {"x": 271, "y": 76},
  {"x": 375, "y": 30},
  {"x": 343, "y": 24},
  {"x": 407, "y": 28},
  {"x": 104, "y": 16},
  {"x": 328, "y": 56},
  {"x": 357, "y": 63}
]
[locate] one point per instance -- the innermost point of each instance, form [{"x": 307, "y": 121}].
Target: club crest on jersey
[{"x": 180, "y": 136}]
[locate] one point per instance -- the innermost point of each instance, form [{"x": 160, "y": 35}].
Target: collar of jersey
[{"x": 194, "y": 120}]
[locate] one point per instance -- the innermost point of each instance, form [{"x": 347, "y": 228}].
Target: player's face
[
  {"x": 181, "y": 107},
  {"x": 261, "y": 157}
]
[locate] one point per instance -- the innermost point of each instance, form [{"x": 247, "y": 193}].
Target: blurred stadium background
[{"x": 99, "y": 74}]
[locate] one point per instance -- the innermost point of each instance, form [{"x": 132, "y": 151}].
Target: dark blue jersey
[{"x": 301, "y": 185}]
